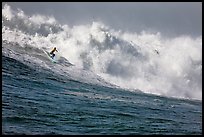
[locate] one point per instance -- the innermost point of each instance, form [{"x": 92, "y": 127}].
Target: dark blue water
[{"x": 36, "y": 101}]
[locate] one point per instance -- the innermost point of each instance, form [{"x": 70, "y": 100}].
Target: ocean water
[
  {"x": 104, "y": 82},
  {"x": 36, "y": 102}
]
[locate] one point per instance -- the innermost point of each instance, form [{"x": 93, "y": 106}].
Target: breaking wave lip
[{"x": 144, "y": 61}]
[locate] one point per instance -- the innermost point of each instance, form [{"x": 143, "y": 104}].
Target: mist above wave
[{"x": 144, "y": 61}]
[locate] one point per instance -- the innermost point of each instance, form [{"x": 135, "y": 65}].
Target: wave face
[{"x": 143, "y": 61}]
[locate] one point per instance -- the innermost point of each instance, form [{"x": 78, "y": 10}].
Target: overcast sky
[{"x": 169, "y": 18}]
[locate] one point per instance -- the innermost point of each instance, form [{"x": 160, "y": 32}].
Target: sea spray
[{"x": 145, "y": 61}]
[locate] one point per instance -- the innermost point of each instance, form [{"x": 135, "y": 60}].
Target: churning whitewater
[{"x": 95, "y": 53}]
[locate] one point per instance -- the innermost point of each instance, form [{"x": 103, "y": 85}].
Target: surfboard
[{"x": 49, "y": 56}]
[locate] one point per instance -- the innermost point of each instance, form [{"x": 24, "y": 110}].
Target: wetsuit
[{"x": 52, "y": 52}]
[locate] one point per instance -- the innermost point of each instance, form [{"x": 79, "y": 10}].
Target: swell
[{"x": 169, "y": 67}]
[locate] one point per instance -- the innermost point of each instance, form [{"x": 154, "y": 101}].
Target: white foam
[{"x": 144, "y": 61}]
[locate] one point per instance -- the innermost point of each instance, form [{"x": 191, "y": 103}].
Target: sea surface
[
  {"x": 104, "y": 82},
  {"x": 37, "y": 102}
]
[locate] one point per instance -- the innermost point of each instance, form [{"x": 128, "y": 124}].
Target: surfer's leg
[{"x": 53, "y": 55}]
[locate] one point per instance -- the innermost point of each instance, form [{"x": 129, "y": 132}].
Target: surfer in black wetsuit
[{"x": 52, "y": 52}]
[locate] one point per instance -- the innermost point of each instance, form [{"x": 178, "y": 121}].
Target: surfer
[
  {"x": 52, "y": 52},
  {"x": 156, "y": 51}
]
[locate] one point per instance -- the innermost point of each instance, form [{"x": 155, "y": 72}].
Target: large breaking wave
[{"x": 145, "y": 61}]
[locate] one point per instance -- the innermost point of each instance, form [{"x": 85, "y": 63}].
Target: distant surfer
[
  {"x": 52, "y": 53},
  {"x": 156, "y": 51}
]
